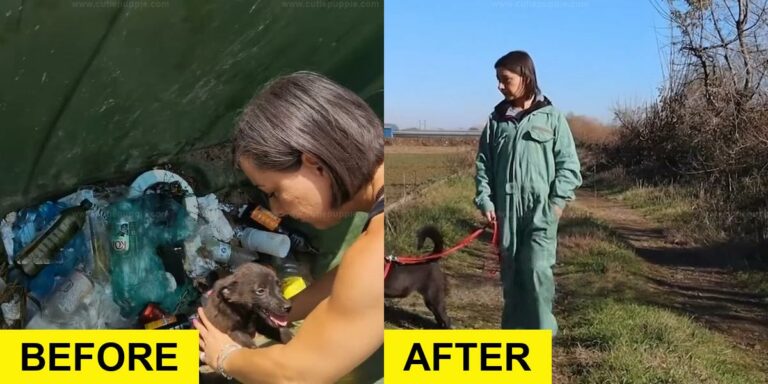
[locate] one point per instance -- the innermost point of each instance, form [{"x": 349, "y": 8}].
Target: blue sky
[{"x": 590, "y": 56}]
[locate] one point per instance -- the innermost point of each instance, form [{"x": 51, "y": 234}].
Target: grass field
[
  {"x": 409, "y": 169},
  {"x": 615, "y": 326}
]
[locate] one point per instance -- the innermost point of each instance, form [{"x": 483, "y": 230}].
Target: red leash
[{"x": 405, "y": 260}]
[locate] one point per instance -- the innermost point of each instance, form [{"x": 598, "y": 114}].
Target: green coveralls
[{"x": 524, "y": 168}]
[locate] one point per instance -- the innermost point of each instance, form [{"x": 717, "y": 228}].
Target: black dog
[
  {"x": 426, "y": 278},
  {"x": 249, "y": 301}
]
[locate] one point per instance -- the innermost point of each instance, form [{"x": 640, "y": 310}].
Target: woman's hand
[
  {"x": 212, "y": 341},
  {"x": 490, "y": 216}
]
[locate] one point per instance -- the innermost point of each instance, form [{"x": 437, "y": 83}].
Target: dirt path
[{"x": 693, "y": 281}]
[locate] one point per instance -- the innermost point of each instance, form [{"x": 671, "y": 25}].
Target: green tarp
[{"x": 98, "y": 91}]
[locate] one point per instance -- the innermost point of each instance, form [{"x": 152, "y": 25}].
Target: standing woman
[
  {"x": 527, "y": 169},
  {"x": 317, "y": 150}
]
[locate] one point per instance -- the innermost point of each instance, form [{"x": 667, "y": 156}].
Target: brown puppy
[
  {"x": 426, "y": 278},
  {"x": 249, "y": 301}
]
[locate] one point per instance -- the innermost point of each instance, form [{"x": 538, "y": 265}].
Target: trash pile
[{"x": 137, "y": 256}]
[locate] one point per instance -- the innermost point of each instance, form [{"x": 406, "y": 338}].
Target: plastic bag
[{"x": 136, "y": 228}]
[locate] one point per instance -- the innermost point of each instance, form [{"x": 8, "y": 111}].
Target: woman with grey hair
[{"x": 317, "y": 150}]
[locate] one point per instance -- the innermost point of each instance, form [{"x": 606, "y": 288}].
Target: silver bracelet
[{"x": 225, "y": 352}]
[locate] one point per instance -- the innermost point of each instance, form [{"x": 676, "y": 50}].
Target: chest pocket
[
  {"x": 536, "y": 158},
  {"x": 540, "y": 134}
]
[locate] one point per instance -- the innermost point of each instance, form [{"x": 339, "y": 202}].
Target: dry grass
[
  {"x": 444, "y": 141},
  {"x": 586, "y": 131},
  {"x": 416, "y": 149},
  {"x": 589, "y": 131}
]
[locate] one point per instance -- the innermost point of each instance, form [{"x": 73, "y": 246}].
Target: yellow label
[
  {"x": 468, "y": 356},
  {"x": 98, "y": 356}
]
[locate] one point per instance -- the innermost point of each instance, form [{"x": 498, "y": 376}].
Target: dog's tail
[{"x": 430, "y": 232}]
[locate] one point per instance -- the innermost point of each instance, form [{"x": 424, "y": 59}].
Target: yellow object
[
  {"x": 468, "y": 356},
  {"x": 99, "y": 356},
  {"x": 293, "y": 285}
]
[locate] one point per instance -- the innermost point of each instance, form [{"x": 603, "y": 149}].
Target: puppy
[
  {"x": 425, "y": 278},
  {"x": 249, "y": 301}
]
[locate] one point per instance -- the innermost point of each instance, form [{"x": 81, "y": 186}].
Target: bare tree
[
  {"x": 723, "y": 46},
  {"x": 709, "y": 126}
]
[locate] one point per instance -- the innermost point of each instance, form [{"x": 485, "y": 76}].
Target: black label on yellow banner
[
  {"x": 468, "y": 356},
  {"x": 98, "y": 356}
]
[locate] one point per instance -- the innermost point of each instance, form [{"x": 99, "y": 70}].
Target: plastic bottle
[
  {"x": 98, "y": 243},
  {"x": 123, "y": 231},
  {"x": 32, "y": 221},
  {"x": 275, "y": 244},
  {"x": 219, "y": 251},
  {"x": 68, "y": 297},
  {"x": 64, "y": 263},
  {"x": 40, "y": 252},
  {"x": 6, "y": 231},
  {"x": 271, "y": 222},
  {"x": 11, "y": 312},
  {"x": 16, "y": 278}
]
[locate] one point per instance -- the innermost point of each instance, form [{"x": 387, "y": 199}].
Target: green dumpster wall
[
  {"x": 97, "y": 91},
  {"x": 93, "y": 93}
]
